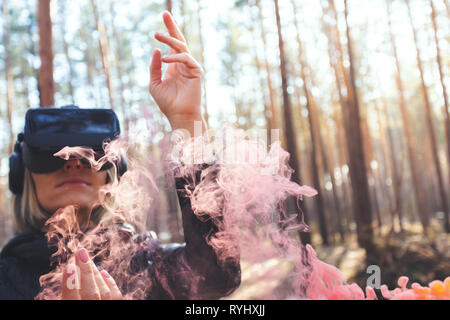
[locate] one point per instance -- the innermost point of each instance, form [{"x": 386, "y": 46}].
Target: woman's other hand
[
  {"x": 83, "y": 281},
  {"x": 179, "y": 93}
]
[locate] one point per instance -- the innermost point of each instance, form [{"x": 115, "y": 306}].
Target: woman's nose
[{"x": 73, "y": 164}]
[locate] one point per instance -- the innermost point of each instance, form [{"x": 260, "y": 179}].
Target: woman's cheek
[{"x": 43, "y": 197}]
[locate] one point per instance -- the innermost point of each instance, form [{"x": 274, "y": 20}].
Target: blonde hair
[{"x": 29, "y": 216}]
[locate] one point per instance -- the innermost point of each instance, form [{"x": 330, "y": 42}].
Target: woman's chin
[{"x": 83, "y": 203}]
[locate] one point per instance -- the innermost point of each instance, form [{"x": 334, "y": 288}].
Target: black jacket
[{"x": 26, "y": 257}]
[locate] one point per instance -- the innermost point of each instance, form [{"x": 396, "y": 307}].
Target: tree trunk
[
  {"x": 315, "y": 159},
  {"x": 62, "y": 26},
  {"x": 262, "y": 85},
  {"x": 376, "y": 206},
  {"x": 340, "y": 121},
  {"x": 45, "y": 78},
  {"x": 430, "y": 123},
  {"x": 89, "y": 63},
  {"x": 10, "y": 91},
  {"x": 357, "y": 164},
  {"x": 447, "y": 6},
  {"x": 362, "y": 210},
  {"x": 183, "y": 15},
  {"x": 444, "y": 92},
  {"x": 5, "y": 225},
  {"x": 330, "y": 164},
  {"x": 118, "y": 61},
  {"x": 289, "y": 129},
  {"x": 202, "y": 59},
  {"x": 327, "y": 165},
  {"x": 389, "y": 153},
  {"x": 346, "y": 184},
  {"x": 24, "y": 82},
  {"x": 272, "y": 108},
  {"x": 104, "y": 52},
  {"x": 169, "y": 5},
  {"x": 410, "y": 140},
  {"x": 26, "y": 67},
  {"x": 316, "y": 139}
]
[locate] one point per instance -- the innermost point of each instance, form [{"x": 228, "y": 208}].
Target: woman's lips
[{"x": 73, "y": 182}]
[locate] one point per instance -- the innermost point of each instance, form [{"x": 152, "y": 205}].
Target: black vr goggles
[{"x": 48, "y": 130}]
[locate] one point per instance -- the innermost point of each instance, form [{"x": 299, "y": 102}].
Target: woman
[{"x": 171, "y": 268}]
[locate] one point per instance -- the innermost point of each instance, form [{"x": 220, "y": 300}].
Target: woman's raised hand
[
  {"x": 179, "y": 93},
  {"x": 83, "y": 281}
]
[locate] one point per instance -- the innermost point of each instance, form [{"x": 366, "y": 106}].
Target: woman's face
[{"x": 74, "y": 184}]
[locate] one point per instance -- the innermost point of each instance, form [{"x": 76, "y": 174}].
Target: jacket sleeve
[
  {"x": 196, "y": 269},
  {"x": 16, "y": 281}
]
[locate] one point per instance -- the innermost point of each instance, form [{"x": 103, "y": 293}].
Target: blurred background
[{"x": 358, "y": 88}]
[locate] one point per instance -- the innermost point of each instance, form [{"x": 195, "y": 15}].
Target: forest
[{"x": 358, "y": 89}]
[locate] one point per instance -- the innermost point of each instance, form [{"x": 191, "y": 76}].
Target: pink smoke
[{"x": 242, "y": 190}]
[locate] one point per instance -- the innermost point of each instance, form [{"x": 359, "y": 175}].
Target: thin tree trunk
[
  {"x": 273, "y": 114},
  {"x": 374, "y": 173},
  {"x": 334, "y": 65},
  {"x": 316, "y": 143},
  {"x": 430, "y": 123},
  {"x": 341, "y": 73},
  {"x": 303, "y": 135},
  {"x": 183, "y": 15},
  {"x": 376, "y": 205},
  {"x": 330, "y": 165},
  {"x": 231, "y": 81},
  {"x": 389, "y": 153},
  {"x": 444, "y": 89},
  {"x": 62, "y": 26},
  {"x": 24, "y": 82},
  {"x": 30, "y": 47},
  {"x": 45, "y": 78},
  {"x": 90, "y": 66},
  {"x": 357, "y": 164},
  {"x": 119, "y": 57},
  {"x": 169, "y": 5},
  {"x": 262, "y": 86},
  {"x": 410, "y": 140},
  {"x": 202, "y": 59},
  {"x": 315, "y": 159},
  {"x": 447, "y": 6},
  {"x": 346, "y": 184},
  {"x": 289, "y": 129},
  {"x": 104, "y": 52},
  {"x": 5, "y": 225},
  {"x": 351, "y": 118},
  {"x": 326, "y": 163},
  {"x": 10, "y": 91},
  {"x": 367, "y": 141},
  {"x": 369, "y": 156}
]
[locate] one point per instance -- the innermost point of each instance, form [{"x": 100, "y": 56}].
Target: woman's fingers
[
  {"x": 88, "y": 286},
  {"x": 105, "y": 293},
  {"x": 174, "y": 43},
  {"x": 115, "y": 292},
  {"x": 172, "y": 27},
  {"x": 155, "y": 69},
  {"x": 184, "y": 58},
  {"x": 71, "y": 283},
  {"x": 83, "y": 281}
]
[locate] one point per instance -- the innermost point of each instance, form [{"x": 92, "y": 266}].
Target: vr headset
[{"x": 48, "y": 130}]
